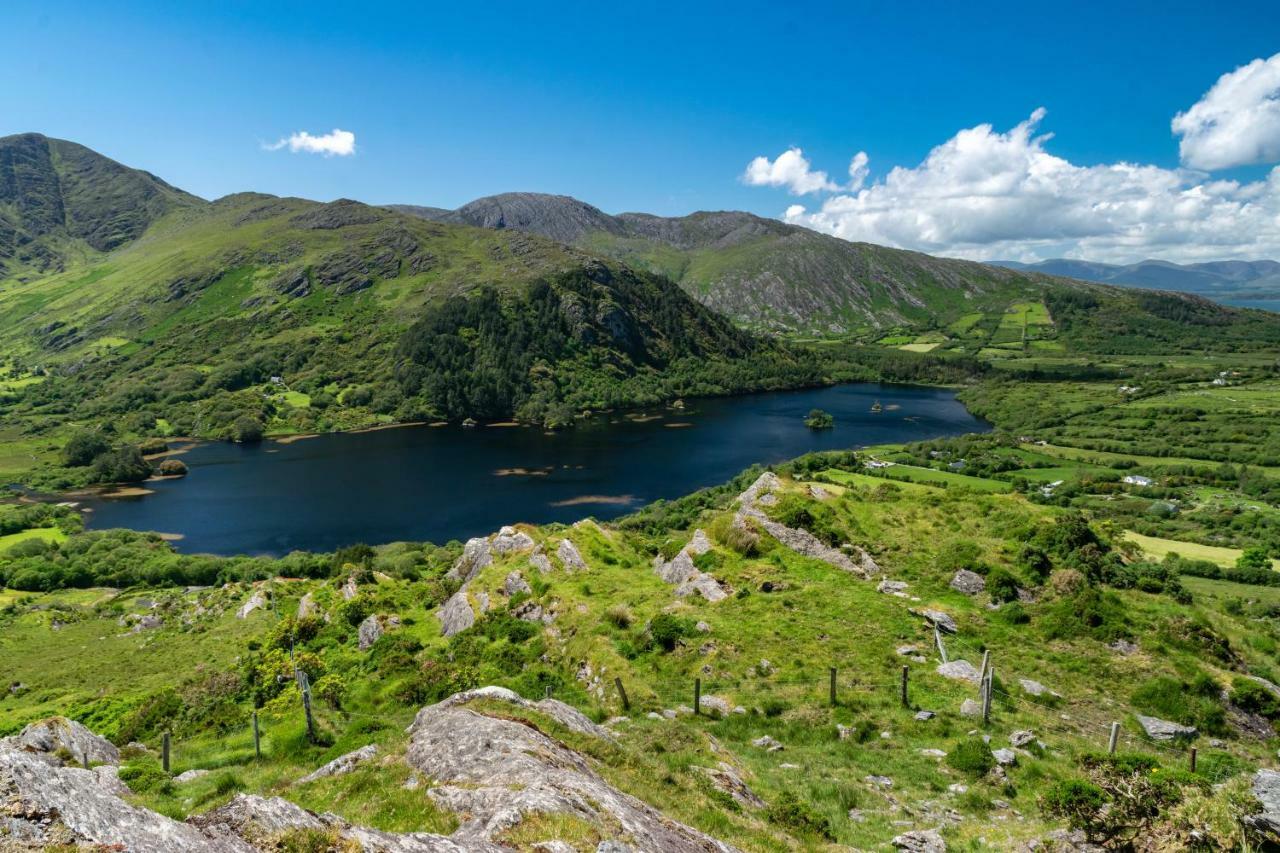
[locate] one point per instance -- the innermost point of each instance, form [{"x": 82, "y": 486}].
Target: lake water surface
[{"x": 425, "y": 483}]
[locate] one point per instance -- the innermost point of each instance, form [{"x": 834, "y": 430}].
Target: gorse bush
[{"x": 972, "y": 757}]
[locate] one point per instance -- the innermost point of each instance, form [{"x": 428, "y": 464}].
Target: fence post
[
  {"x": 697, "y": 696},
  {"x": 1193, "y": 759},
  {"x": 937, "y": 638},
  {"x": 986, "y": 699},
  {"x": 905, "y": 670},
  {"x": 547, "y": 693},
  {"x": 1111, "y": 741},
  {"x": 832, "y": 686},
  {"x": 306, "y": 705},
  {"x": 257, "y": 743},
  {"x": 84, "y": 760},
  {"x": 164, "y": 752},
  {"x": 622, "y": 692},
  {"x": 986, "y": 661}
]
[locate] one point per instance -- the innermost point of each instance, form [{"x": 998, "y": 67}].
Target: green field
[{"x": 1159, "y": 548}]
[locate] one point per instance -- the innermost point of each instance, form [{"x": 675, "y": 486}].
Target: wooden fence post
[
  {"x": 832, "y": 686},
  {"x": 257, "y": 740},
  {"x": 164, "y": 752},
  {"x": 306, "y": 705},
  {"x": 697, "y": 696},
  {"x": 986, "y": 698},
  {"x": 622, "y": 693},
  {"x": 1193, "y": 759},
  {"x": 1111, "y": 741},
  {"x": 905, "y": 670},
  {"x": 986, "y": 661}
]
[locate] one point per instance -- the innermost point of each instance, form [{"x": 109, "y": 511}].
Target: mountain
[
  {"x": 1230, "y": 282},
  {"x": 60, "y": 200},
  {"x": 176, "y": 311},
  {"x": 762, "y": 273}
]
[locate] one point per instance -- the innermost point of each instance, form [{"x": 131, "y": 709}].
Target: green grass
[
  {"x": 1157, "y": 548},
  {"x": 47, "y": 534}
]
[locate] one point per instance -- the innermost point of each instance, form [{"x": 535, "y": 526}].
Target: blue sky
[{"x": 627, "y": 106}]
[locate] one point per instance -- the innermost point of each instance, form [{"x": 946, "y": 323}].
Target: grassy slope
[{"x": 816, "y": 617}]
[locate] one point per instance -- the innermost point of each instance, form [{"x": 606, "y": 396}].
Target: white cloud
[
  {"x": 858, "y": 171},
  {"x": 1237, "y": 122},
  {"x": 988, "y": 195},
  {"x": 790, "y": 170},
  {"x": 336, "y": 143}
]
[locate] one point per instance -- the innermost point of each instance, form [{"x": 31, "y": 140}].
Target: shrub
[
  {"x": 122, "y": 465},
  {"x": 667, "y": 630},
  {"x": 1252, "y": 696},
  {"x": 789, "y": 811},
  {"x": 1076, "y": 801},
  {"x": 146, "y": 778},
  {"x": 1002, "y": 585},
  {"x": 247, "y": 430},
  {"x": 972, "y": 757},
  {"x": 1193, "y": 703},
  {"x": 332, "y": 688}
]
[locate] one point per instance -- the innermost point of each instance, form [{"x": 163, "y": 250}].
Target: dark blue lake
[{"x": 426, "y": 483}]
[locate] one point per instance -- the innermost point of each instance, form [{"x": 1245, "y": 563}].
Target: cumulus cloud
[
  {"x": 1237, "y": 122},
  {"x": 985, "y": 194},
  {"x": 790, "y": 170},
  {"x": 335, "y": 143}
]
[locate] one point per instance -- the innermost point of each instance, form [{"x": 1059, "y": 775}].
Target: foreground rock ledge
[{"x": 493, "y": 772}]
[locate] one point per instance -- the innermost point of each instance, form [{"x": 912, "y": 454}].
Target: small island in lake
[{"x": 818, "y": 419}]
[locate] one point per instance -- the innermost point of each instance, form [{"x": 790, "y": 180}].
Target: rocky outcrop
[
  {"x": 476, "y": 555},
  {"x": 1163, "y": 730},
  {"x": 1034, "y": 688},
  {"x": 369, "y": 632},
  {"x": 264, "y": 819},
  {"x": 512, "y": 541},
  {"x": 342, "y": 764},
  {"x": 570, "y": 557},
  {"x": 689, "y": 579},
  {"x": 970, "y": 583},
  {"x": 58, "y": 734},
  {"x": 494, "y": 772},
  {"x": 256, "y": 602},
  {"x": 762, "y": 493},
  {"x": 920, "y": 841},
  {"x": 46, "y": 805},
  {"x": 959, "y": 670},
  {"x": 456, "y": 615},
  {"x": 307, "y": 606},
  {"x": 938, "y": 619},
  {"x": 1266, "y": 788},
  {"x": 726, "y": 779},
  {"x": 515, "y": 584}
]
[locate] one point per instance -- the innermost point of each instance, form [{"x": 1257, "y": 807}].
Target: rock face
[
  {"x": 45, "y": 805},
  {"x": 249, "y": 816},
  {"x": 724, "y": 777},
  {"x": 493, "y": 771},
  {"x": 920, "y": 841},
  {"x": 307, "y": 606},
  {"x": 59, "y": 733},
  {"x": 1163, "y": 730},
  {"x": 689, "y": 579},
  {"x": 342, "y": 764},
  {"x": 1035, "y": 688},
  {"x": 762, "y": 493},
  {"x": 515, "y": 584},
  {"x": 476, "y": 555},
  {"x": 512, "y": 541},
  {"x": 1266, "y": 787},
  {"x": 569, "y": 557},
  {"x": 970, "y": 583},
  {"x": 369, "y": 632},
  {"x": 256, "y": 601},
  {"x": 456, "y": 614}
]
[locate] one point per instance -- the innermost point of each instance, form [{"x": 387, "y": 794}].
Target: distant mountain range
[{"x": 1244, "y": 283}]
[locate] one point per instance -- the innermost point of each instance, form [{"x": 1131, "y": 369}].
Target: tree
[
  {"x": 818, "y": 419},
  {"x": 122, "y": 465},
  {"x": 83, "y": 447},
  {"x": 1254, "y": 558},
  {"x": 246, "y": 430}
]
